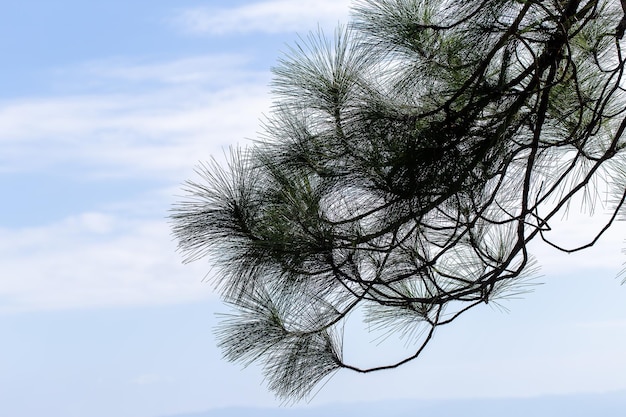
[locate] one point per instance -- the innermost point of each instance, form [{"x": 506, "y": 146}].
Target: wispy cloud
[
  {"x": 272, "y": 16},
  {"x": 185, "y": 115},
  {"x": 92, "y": 260},
  {"x": 210, "y": 70}
]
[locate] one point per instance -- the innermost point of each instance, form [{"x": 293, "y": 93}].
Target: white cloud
[
  {"x": 219, "y": 69},
  {"x": 158, "y": 131},
  {"x": 95, "y": 259},
  {"x": 273, "y": 16}
]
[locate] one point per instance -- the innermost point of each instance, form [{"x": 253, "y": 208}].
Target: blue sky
[{"x": 105, "y": 109}]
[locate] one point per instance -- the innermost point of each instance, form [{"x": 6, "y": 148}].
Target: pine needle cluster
[{"x": 407, "y": 163}]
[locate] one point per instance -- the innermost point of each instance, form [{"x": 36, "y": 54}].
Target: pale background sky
[{"x": 105, "y": 109}]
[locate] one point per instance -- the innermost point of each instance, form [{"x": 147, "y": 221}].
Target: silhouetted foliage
[{"x": 406, "y": 166}]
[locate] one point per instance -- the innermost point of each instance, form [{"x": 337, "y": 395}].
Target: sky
[{"x": 106, "y": 108}]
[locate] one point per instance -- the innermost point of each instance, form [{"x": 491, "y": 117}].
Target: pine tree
[{"x": 404, "y": 169}]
